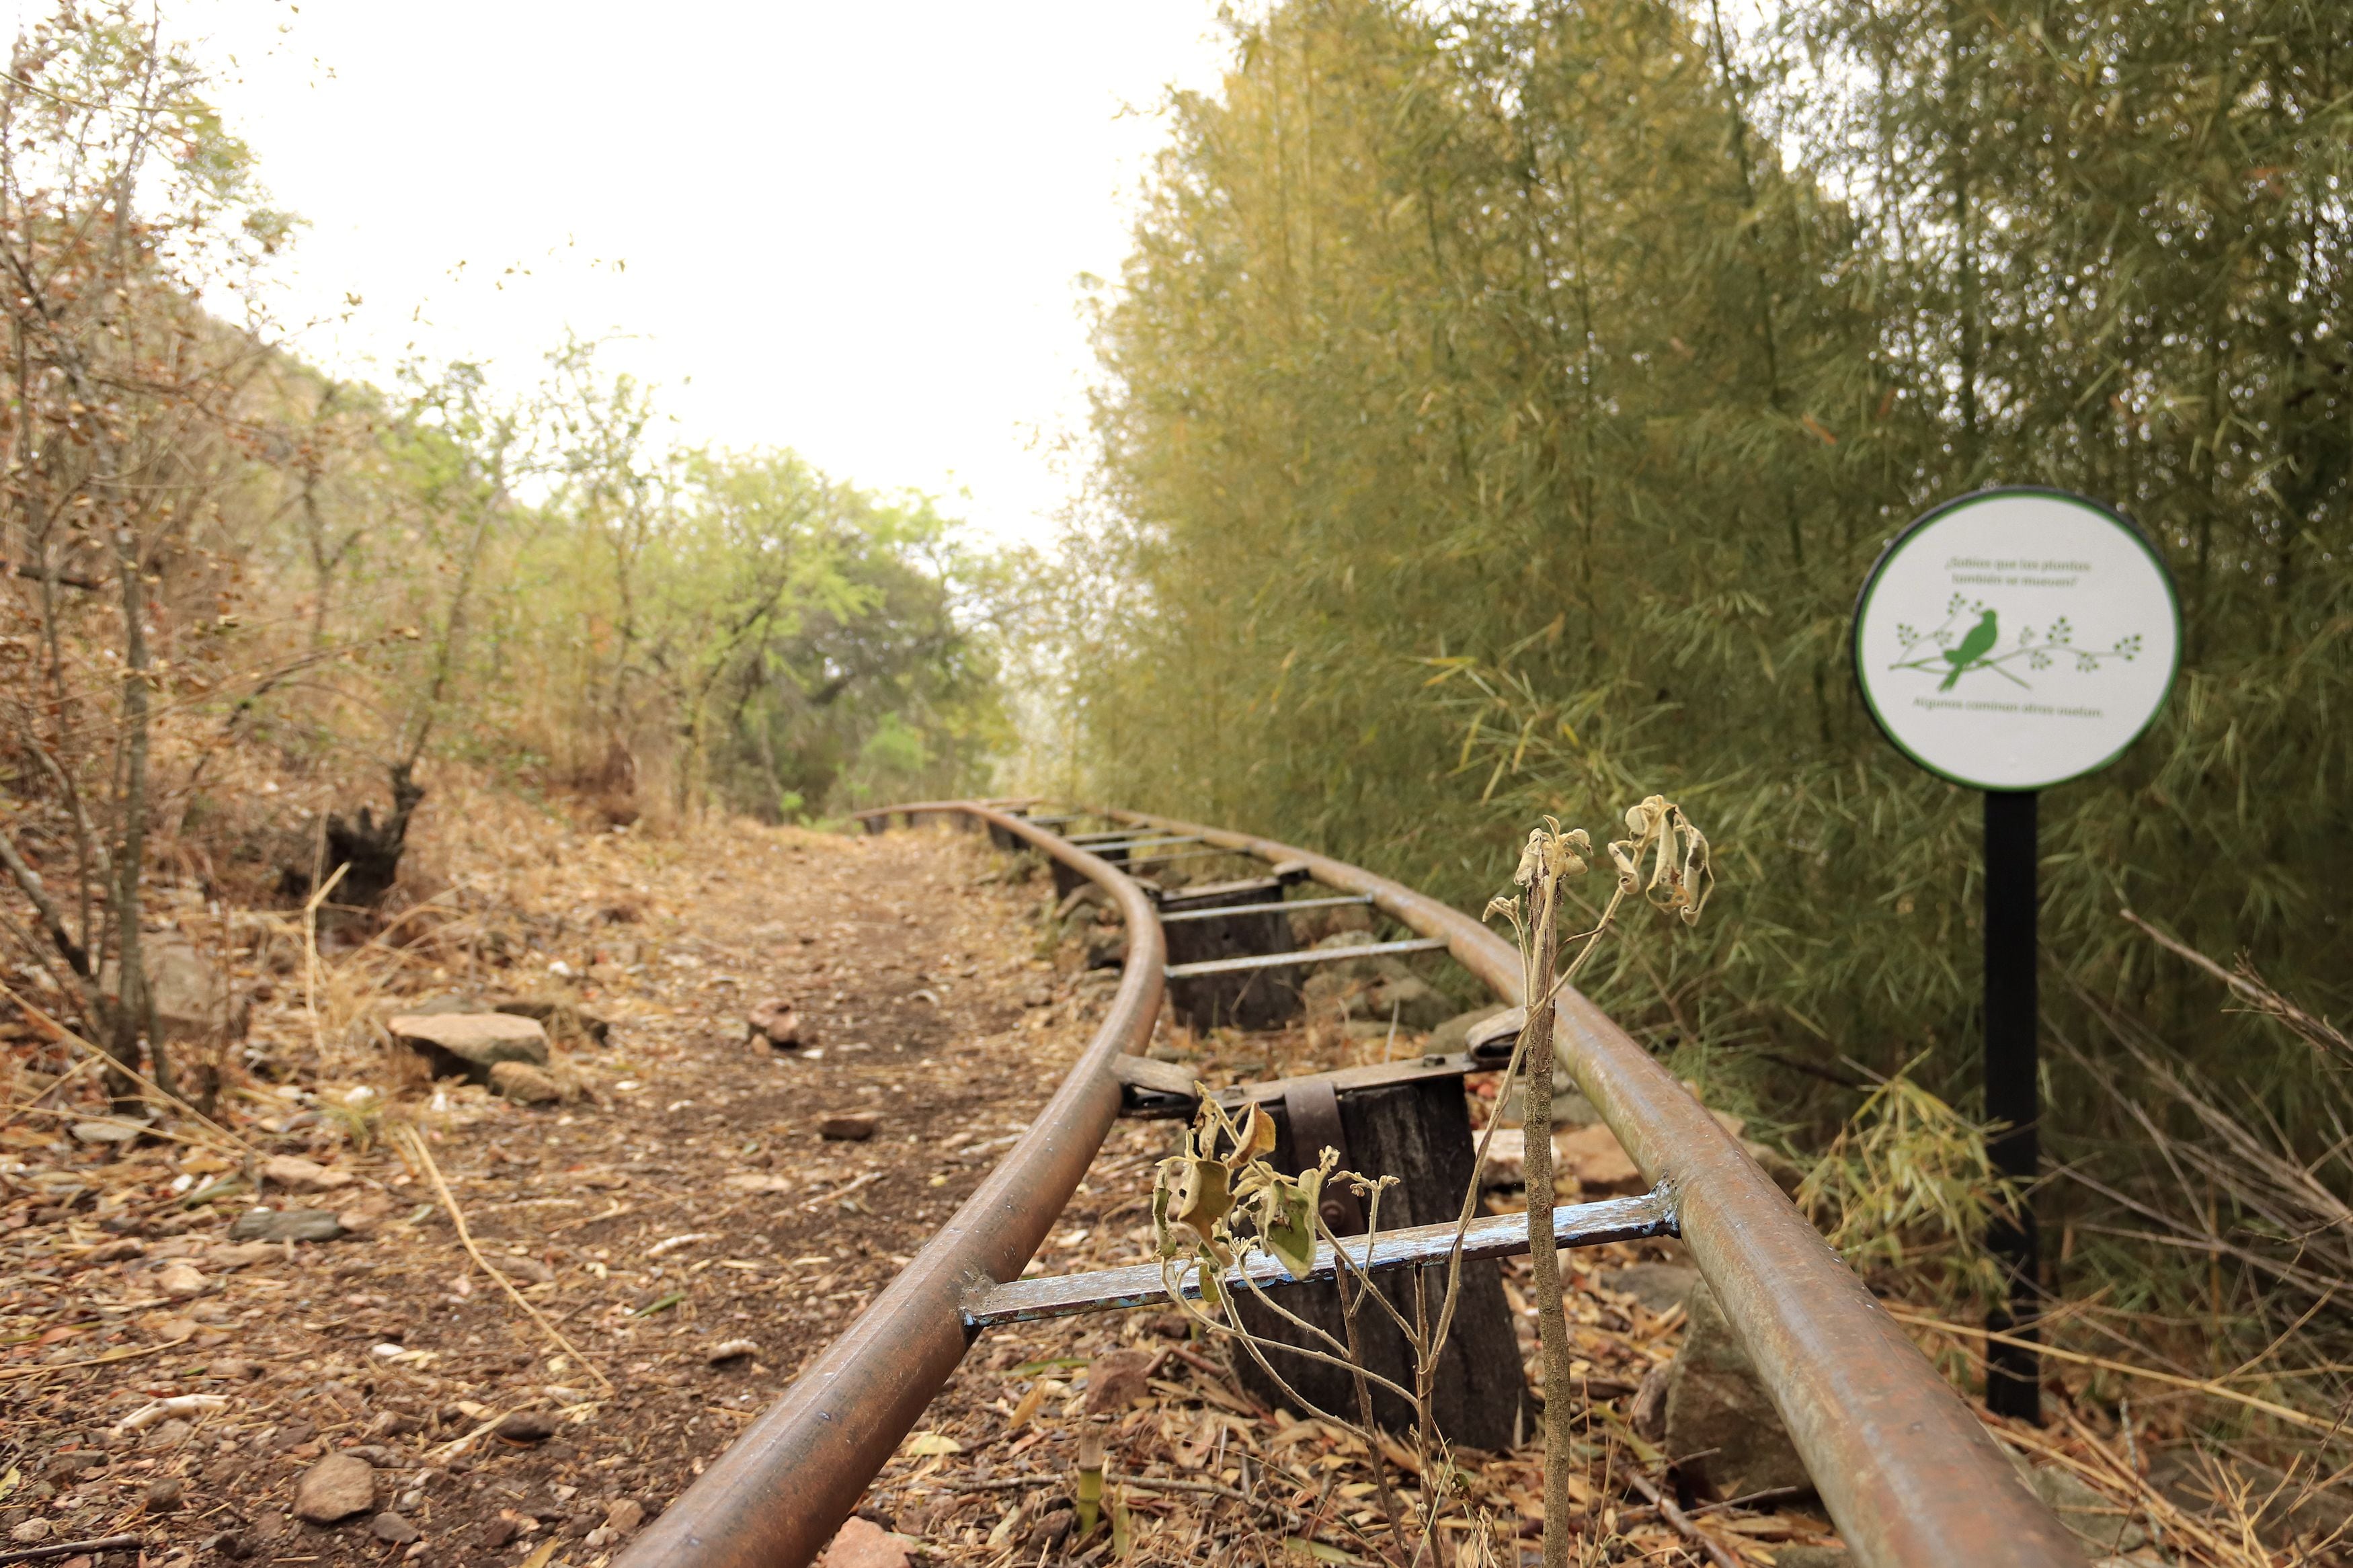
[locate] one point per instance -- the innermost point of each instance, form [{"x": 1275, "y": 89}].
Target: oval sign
[{"x": 2016, "y": 638}]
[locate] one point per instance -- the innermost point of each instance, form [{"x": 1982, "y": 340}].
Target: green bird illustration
[{"x": 1974, "y": 646}]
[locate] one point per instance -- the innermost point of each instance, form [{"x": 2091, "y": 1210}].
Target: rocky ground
[
  {"x": 680, "y": 1218},
  {"x": 265, "y": 1339}
]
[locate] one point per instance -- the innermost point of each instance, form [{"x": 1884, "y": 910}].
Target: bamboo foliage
[{"x": 1503, "y": 403}]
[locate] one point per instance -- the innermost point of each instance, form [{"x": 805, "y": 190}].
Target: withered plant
[{"x": 1222, "y": 1200}]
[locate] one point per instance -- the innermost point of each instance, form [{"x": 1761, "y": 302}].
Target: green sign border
[{"x": 2004, "y": 492}]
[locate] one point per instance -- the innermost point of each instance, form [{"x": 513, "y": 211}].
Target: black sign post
[
  {"x": 2012, "y": 1090},
  {"x": 2008, "y": 641}
]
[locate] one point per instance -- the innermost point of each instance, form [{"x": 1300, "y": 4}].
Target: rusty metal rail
[{"x": 1907, "y": 1471}]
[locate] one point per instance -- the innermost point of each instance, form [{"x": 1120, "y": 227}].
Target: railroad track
[{"x": 1905, "y": 1470}]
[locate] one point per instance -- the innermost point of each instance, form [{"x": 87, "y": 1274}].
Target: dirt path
[{"x": 684, "y": 1200}]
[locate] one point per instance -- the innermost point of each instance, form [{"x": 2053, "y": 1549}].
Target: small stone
[
  {"x": 845, "y": 1128},
  {"x": 1116, "y": 1380},
  {"x": 1647, "y": 1413},
  {"x": 524, "y": 1084},
  {"x": 526, "y": 1426},
  {"x": 390, "y": 1527},
  {"x": 32, "y": 1531},
  {"x": 334, "y": 1488},
  {"x": 2091, "y": 1515},
  {"x": 115, "y": 1251},
  {"x": 775, "y": 1022},
  {"x": 731, "y": 1350},
  {"x": 1049, "y": 1530},
  {"x": 291, "y": 1171},
  {"x": 1106, "y": 946},
  {"x": 497, "y": 1532},
  {"x": 181, "y": 1280},
  {"x": 623, "y": 1517},
  {"x": 285, "y": 1224},
  {"x": 163, "y": 1494},
  {"x": 1720, "y": 1420},
  {"x": 1416, "y": 1004},
  {"x": 862, "y": 1543},
  {"x": 1787, "y": 1173},
  {"x": 167, "y": 1434},
  {"x": 232, "y": 1545},
  {"x": 1592, "y": 1156},
  {"x": 115, "y": 1132},
  {"x": 242, "y": 1254},
  {"x": 72, "y": 1463}
]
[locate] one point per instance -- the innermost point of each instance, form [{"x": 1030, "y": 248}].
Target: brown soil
[{"x": 916, "y": 975}]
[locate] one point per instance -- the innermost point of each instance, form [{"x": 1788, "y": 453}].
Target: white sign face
[{"x": 2016, "y": 638}]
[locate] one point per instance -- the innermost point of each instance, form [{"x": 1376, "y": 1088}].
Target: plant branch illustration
[{"x": 1947, "y": 651}]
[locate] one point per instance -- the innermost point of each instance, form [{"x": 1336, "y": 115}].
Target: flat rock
[
  {"x": 761, "y": 1182},
  {"x": 469, "y": 1044},
  {"x": 862, "y": 1543},
  {"x": 1660, "y": 1286},
  {"x": 1452, "y": 1035},
  {"x": 193, "y": 999},
  {"x": 285, "y": 1224},
  {"x": 115, "y": 1132},
  {"x": 845, "y": 1128},
  {"x": 334, "y": 1488},
  {"x": 293, "y": 1172},
  {"x": 1720, "y": 1420},
  {"x": 524, "y": 1084},
  {"x": 623, "y": 1517},
  {"x": 563, "y": 1019}
]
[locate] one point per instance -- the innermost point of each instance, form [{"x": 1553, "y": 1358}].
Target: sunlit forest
[{"x": 1499, "y": 408}]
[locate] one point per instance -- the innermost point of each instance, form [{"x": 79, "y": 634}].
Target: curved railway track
[{"x": 1905, "y": 1470}]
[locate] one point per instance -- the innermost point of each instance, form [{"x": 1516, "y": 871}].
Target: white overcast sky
[{"x": 850, "y": 229}]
